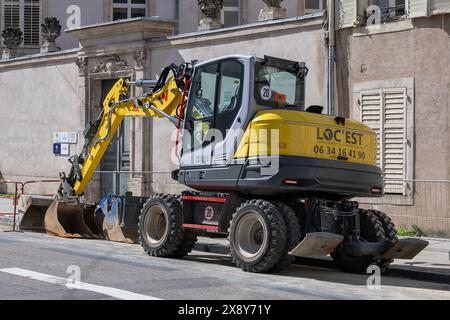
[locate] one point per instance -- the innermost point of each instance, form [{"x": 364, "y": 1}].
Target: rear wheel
[
  {"x": 390, "y": 233},
  {"x": 160, "y": 226},
  {"x": 257, "y": 236},
  {"x": 371, "y": 230},
  {"x": 293, "y": 235}
]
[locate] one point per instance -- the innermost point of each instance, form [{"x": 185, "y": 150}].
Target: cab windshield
[{"x": 279, "y": 87}]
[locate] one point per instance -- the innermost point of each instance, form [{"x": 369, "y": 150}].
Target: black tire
[
  {"x": 371, "y": 230},
  {"x": 294, "y": 235},
  {"x": 265, "y": 244},
  {"x": 187, "y": 244},
  {"x": 160, "y": 226},
  {"x": 189, "y": 238},
  {"x": 300, "y": 212},
  {"x": 390, "y": 233}
]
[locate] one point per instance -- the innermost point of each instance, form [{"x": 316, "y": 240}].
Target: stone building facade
[
  {"x": 394, "y": 76},
  {"x": 28, "y": 14}
]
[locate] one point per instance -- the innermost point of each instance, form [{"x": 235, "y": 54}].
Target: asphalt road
[{"x": 36, "y": 266}]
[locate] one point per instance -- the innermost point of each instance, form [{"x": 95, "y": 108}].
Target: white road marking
[{"x": 112, "y": 292}]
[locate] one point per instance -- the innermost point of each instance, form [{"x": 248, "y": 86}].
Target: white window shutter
[
  {"x": 31, "y": 22},
  {"x": 346, "y": 13},
  {"x": 439, "y": 6},
  {"x": 11, "y": 11},
  {"x": 25, "y": 15},
  {"x": 394, "y": 140},
  {"x": 417, "y": 8},
  {"x": 384, "y": 111},
  {"x": 371, "y": 115}
]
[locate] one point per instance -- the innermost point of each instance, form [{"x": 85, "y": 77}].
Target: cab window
[
  {"x": 200, "y": 110},
  {"x": 230, "y": 93},
  {"x": 278, "y": 88},
  {"x": 214, "y": 102}
]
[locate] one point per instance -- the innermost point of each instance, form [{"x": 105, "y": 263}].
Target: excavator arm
[
  {"x": 67, "y": 215},
  {"x": 164, "y": 102}
]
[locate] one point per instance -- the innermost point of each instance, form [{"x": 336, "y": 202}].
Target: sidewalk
[
  {"x": 432, "y": 264},
  {"x": 6, "y": 211}
]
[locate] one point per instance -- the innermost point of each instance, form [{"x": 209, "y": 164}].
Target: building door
[{"x": 117, "y": 157}]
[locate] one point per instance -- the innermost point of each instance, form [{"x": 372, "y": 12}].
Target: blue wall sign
[{"x": 57, "y": 148}]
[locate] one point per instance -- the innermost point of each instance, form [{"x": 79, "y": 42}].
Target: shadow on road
[{"x": 323, "y": 274}]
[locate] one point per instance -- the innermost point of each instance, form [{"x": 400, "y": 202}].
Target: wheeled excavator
[{"x": 275, "y": 177}]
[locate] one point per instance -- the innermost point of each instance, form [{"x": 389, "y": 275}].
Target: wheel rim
[
  {"x": 250, "y": 236},
  {"x": 155, "y": 224}
]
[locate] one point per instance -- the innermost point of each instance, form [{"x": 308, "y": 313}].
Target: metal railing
[
  {"x": 19, "y": 189},
  {"x": 393, "y": 13},
  {"x": 431, "y": 196}
]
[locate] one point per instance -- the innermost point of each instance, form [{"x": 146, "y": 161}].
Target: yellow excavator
[{"x": 275, "y": 177}]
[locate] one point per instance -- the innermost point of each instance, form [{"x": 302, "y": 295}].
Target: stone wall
[{"x": 39, "y": 96}]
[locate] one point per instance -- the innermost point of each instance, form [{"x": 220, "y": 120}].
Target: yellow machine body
[{"x": 304, "y": 134}]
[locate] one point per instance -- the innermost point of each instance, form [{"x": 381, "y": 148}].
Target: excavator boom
[
  {"x": 164, "y": 102},
  {"x": 66, "y": 216}
]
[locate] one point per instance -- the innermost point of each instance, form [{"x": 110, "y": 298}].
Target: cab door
[
  {"x": 199, "y": 121},
  {"x": 214, "y": 123},
  {"x": 231, "y": 110}
]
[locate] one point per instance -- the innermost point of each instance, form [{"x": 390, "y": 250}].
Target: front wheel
[
  {"x": 160, "y": 226},
  {"x": 257, "y": 236}
]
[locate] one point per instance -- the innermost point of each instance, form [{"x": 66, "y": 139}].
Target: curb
[
  {"x": 212, "y": 248},
  {"x": 399, "y": 272},
  {"x": 7, "y": 220}
]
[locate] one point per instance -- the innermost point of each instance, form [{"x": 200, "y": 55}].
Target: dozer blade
[
  {"x": 113, "y": 231},
  {"x": 406, "y": 249},
  {"x": 109, "y": 215},
  {"x": 32, "y": 211},
  {"x": 64, "y": 219},
  {"x": 318, "y": 244}
]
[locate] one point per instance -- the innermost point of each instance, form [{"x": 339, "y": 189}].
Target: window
[
  {"x": 23, "y": 14},
  {"x": 230, "y": 94},
  {"x": 209, "y": 108},
  {"x": 200, "y": 112},
  {"x": 276, "y": 87},
  {"x": 390, "y": 9},
  {"x": 384, "y": 111},
  {"x": 128, "y": 9},
  {"x": 312, "y": 6},
  {"x": 231, "y": 13}
]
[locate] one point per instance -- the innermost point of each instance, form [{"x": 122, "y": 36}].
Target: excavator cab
[{"x": 225, "y": 96}]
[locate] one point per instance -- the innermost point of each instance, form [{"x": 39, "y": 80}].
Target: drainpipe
[
  {"x": 177, "y": 16},
  {"x": 331, "y": 51}
]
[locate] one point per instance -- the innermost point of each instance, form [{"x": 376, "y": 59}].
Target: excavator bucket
[
  {"x": 32, "y": 211},
  {"x": 66, "y": 219},
  {"x": 56, "y": 217}
]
